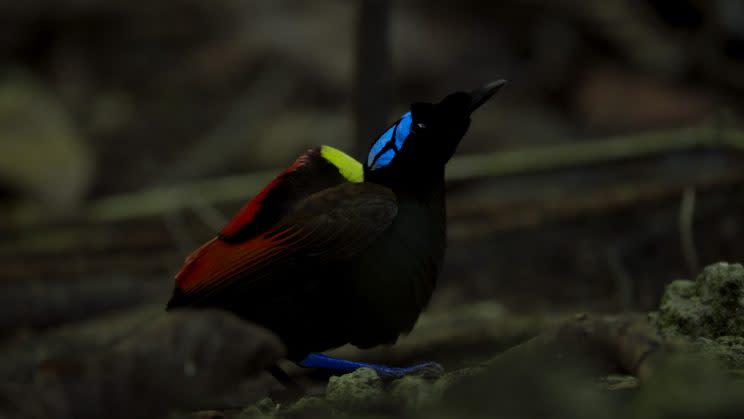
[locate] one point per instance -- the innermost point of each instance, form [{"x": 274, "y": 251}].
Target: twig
[
  {"x": 623, "y": 280},
  {"x": 207, "y": 213},
  {"x": 42, "y": 304},
  {"x": 488, "y": 216},
  {"x": 176, "y": 227},
  {"x": 627, "y": 342},
  {"x": 686, "y": 235}
]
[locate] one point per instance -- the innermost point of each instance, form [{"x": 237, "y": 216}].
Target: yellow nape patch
[{"x": 348, "y": 167}]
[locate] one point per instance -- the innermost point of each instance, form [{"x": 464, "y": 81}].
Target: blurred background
[{"x": 609, "y": 165}]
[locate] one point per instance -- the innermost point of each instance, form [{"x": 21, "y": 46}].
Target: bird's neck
[{"x": 426, "y": 188}]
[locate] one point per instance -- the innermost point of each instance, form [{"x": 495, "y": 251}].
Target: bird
[{"x": 336, "y": 251}]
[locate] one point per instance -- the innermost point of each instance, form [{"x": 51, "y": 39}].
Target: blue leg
[{"x": 316, "y": 360}]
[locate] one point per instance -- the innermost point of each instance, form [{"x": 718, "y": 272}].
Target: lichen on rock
[
  {"x": 360, "y": 390},
  {"x": 727, "y": 349},
  {"x": 619, "y": 382},
  {"x": 711, "y": 306},
  {"x": 263, "y": 409},
  {"x": 309, "y": 407},
  {"x": 414, "y": 392}
]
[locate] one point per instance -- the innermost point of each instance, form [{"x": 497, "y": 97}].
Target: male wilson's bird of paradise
[{"x": 333, "y": 251}]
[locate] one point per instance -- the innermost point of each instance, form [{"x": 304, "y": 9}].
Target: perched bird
[{"x": 334, "y": 251}]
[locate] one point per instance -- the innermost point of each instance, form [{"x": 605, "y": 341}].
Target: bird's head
[{"x": 423, "y": 140}]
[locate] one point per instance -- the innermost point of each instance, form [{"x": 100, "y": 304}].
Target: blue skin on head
[{"x": 387, "y": 146}]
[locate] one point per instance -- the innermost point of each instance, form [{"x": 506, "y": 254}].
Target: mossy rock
[
  {"x": 309, "y": 407},
  {"x": 361, "y": 390},
  {"x": 711, "y": 306},
  {"x": 414, "y": 392},
  {"x": 727, "y": 349},
  {"x": 689, "y": 386},
  {"x": 618, "y": 382}
]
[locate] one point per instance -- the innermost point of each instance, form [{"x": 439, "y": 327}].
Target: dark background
[{"x": 113, "y": 115}]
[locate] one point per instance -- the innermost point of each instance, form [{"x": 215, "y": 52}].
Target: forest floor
[
  {"x": 686, "y": 359},
  {"x": 610, "y": 165}
]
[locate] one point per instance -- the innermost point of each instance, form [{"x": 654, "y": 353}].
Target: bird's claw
[
  {"x": 425, "y": 370},
  {"x": 429, "y": 370}
]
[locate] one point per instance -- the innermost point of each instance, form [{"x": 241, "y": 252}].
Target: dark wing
[
  {"x": 329, "y": 225},
  {"x": 309, "y": 174}
]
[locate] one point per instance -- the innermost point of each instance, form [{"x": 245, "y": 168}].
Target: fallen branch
[
  {"x": 161, "y": 200},
  {"x": 42, "y": 304},
  {"x": 624, "y": 343},
  {"x": 584, "y": 348}
]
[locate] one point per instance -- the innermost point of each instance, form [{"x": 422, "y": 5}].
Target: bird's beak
[{"x": 481, "y": 95}]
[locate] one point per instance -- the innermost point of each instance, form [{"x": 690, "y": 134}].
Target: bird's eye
[{"x": 421, "y": 125}]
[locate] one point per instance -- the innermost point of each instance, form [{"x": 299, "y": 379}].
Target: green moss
[
  {"x": 309, "y": 407},
  {"x": 263, "y": 409},
  {"x": 689, "y": 386},
  {"x": 616, "y": 382},
  {"x": 728, "y": 349},
  {"x": 711, "y": 306},
  {"x": 414, "y": 392},
  {"x": 359, "y": 390},
  {"x": 452, "y": 378}
]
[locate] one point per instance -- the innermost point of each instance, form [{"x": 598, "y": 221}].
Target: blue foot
[{"x": 315, "y": 360}]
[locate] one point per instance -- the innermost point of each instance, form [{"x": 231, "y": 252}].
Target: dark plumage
[{"x": 324, "y": 259}]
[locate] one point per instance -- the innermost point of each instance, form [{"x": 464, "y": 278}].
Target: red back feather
[
  {"x": 248, "y": 212},
  {"x": 217, "y": 261}
]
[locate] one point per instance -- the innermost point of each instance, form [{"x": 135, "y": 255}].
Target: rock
[
  {"x": 263, "y": 409},
  {"x": 203, "y": 350},
  {"x": 536, "y": 388},
  {"x": 177, "y": 361},
  {"x": 689, "y": 386},
  {"x": 359, "y": 390},
  {"x": 310, "y": 406},
  {"x": 207, "y": 414},
  {"x": 711, "y": 306},
  {"x": 414, "y": 392},
  {"x": 453, "y": 378},
  {"x": 616, "y": 382},
  {"x": 710, "y": 310}
]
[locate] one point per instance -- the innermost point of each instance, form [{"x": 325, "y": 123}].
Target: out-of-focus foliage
[
  {"x": 41, "y": 152},
  {"x": 146, "y": 88}
]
